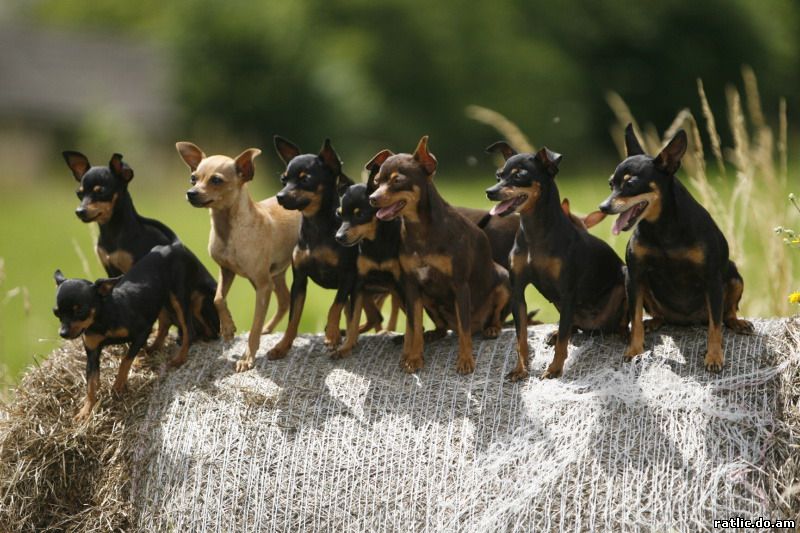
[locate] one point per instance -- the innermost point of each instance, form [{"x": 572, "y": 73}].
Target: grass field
[{"x": 40, "y": 233}]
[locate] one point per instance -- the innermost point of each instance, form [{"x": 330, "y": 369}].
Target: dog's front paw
[
  {"x": 278, "y": 351},
  {"x": 341, "y": 353},
  {"x": 412, "y": 363},
  {"x": 227, "y": 330},
  {"x": 333, "y": 338},
  {"x": 632, "y": 351},
  {"x": 518, "y": 374},
  {"x": 84, "y": 413},
  {"x": 465, "y": 365},
  {"x": 492, "y": 332},
  {"x": 118, "y": 389},
  {"x": 552, "y": 372},
  {"x": 714, "y": 360},
  {"x": 743, "y": 327},
  {"x": 245, "y": 363}
]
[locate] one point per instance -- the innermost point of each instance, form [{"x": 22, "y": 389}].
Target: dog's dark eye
[
  {"x": 193, "y": 179},
  {"x": 215, "y": 180}
]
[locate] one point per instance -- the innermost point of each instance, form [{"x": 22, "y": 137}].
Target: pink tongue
[
  {"x": 502, "y": 207},
  {"x": 622, "y": 221},
  {"x": 388, "y": 211}
]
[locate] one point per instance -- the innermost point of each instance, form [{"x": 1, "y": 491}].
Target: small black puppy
[
  {"x": 123, "y": 309},
  {"x": 580, "y": 274},
  {"x": 126, "y": 237},
  {"x": 312, "y": 184},
  {"x": 678, "y": 265}
]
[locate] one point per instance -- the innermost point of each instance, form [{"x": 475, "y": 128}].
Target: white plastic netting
[{"x": 310, "y": 444}]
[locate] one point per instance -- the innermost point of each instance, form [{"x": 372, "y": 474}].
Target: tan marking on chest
[
  {"x": 692, "y": 254},
  {"x": 118, "y": 333},
  {"x": 324, "y": 255},
  {"x": 92, "y": 340},
  {"x": 420, "y": 266},
  {"x": 518, "y": 263},
  {"x": 550, "y": 266},
  {"x": 121, "y": 260},
  {"x": 366, "y": 265}
]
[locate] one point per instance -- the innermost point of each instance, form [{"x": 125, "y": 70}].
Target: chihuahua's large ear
[
  {"x": 330, "y": 158},
  {"x": 549, "y": 160},
  {"x": 424, "y": 157},
  {"x": 191, "y": 154},
  {"x": 103, "y": 286},
  {"x": 342, "y": 183},
  {"x": 77, "y": 163},
  {"x": 119, "y": 168},
  {"x": 245, "y": 167},
  {"x": 669, "y": 159},
  {"x": 59, "y": 277},
  {"x": 632, "y": 145},
  {"x": 286, "y": 149},
  {"x": 593, "y": 219},
  {"x": 501, "y": 147},
  {"x": 373, "y": 166}
]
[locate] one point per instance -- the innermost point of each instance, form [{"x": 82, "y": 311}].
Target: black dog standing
[
  {"x": 312, "y": 185},
  {"x": 678, "y": 266},
  {"x": 579, "y": 273},
  {"x": 123, "y": 309}
]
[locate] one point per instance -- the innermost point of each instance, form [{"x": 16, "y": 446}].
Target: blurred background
[{"x": 134, "y": 77}]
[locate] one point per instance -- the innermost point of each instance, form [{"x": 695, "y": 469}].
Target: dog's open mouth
[
  {"x": 390, "y": 211},
  {"x": 627, "y": 219},
  {"x": 506, "y": 207}
]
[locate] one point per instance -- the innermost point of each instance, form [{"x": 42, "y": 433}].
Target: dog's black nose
[
  {"x": 80, "y": 212},
  {"x": 64, "y": 332},
  {"x": 281, "y": 197},
  {"x": 191, "y": 194},
  {"x": 605, "y": 207},
  {"x": 373, "y": 201},
  {"x": 340, "y": 237}
]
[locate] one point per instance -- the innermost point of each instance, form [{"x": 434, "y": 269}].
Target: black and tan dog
[
  {"x": 678, "y": 265},
  {"x": 580, "y": 274},
  {"x": 249, "y": 239},
  {"x": 312, "y": 184},
  {"x": 445, "y": 258},
  {"x": 123, "y": 309},
  {"x": 125, "y": 236}
]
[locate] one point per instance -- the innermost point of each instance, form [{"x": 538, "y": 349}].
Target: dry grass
[
  {"x": 750, "y": 204},
  {"x": 59, "y": 475}
]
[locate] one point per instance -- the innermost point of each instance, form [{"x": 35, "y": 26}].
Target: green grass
[{"x": 40, "y": 233}]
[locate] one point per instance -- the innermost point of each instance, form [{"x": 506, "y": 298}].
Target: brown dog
[
  {"x": 446, "y": 259},
  {"x": 253, "y": 240}
]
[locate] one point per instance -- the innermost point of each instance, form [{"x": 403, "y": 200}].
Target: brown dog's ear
[
  {"x": 59, "y": 277},
  {"x": 286, "y": 149},
  {"x": 632, "y": 146},
  {"x": 191, "y": 154},
  {"x": 120, "y": 169},
  {"x": 103, "y": 286},
  {"x": 424, "y": 157},
  {"x": 77, "y": 163},
  {"x": 330, "y": 158},
  {"x": 373, "y": 166},
  {"x": 593, "y": 219},
  {"x": 503, "y": 148},
  {"x": 245, "y": 168},
  {"x": 669, "y": 159},
  {"x": 549, "y": 160}
]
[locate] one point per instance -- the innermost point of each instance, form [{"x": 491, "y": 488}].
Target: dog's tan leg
[
  {"x": 282, "y": 294},
  {"x": 733, "y": 294},
  {"x": 161, "y": 333},
  {"x": 352, "y": 329},
  {"x": 501, "y": 295},
  {"x": 121, "y": 381},
  {"x": 298, "y": 299},
  {"x": 636, "y": 342},
  {"x": 372, "y": 311},
  {"x": 715, "y": 358},
  {"x": 227, "y": 327},
  {"x": 465, "y": 364},
  {"x": 180, "y": 356},
  {"x": 392, "y": 325},
  {"x": 413, "y": 341},
  {"x": 263, "y": 293},
  {"x": 333, "y": 335}
]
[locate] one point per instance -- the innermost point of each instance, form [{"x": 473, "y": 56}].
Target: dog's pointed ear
[
  {"x": 373, "y": 166},
  {"x": 632, "y": 145},
  {"x": 593, "y": 219},
  {"x": 501, "y": 147},
  {"x": 330, "y": 158},
  {"x": 669, "y": 159},
  {"x": 104, "y": 286},
  {"x": 119, "y": 168},
  {"x": 424, "y": 157},
  {"x": 191, "y": 154},
  {"x": 59, "y": 277},
  {"x": 565, "y": 206},
  {"x": 286, "y": 149},
  {"x": 245, "y": 168},
  {"x": 77, "y": 163},
  {"x": 549, "y": 160},
  {"x": 342, "y": 183}
]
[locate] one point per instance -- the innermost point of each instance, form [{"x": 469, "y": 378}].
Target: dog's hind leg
[
  {"x": 282, "y": 294},
  {"x": 734, "y": 287},
  {"x": 263, "y": 293}
]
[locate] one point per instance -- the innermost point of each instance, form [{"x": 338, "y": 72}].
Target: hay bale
[{"x": 307, "y": 443}]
